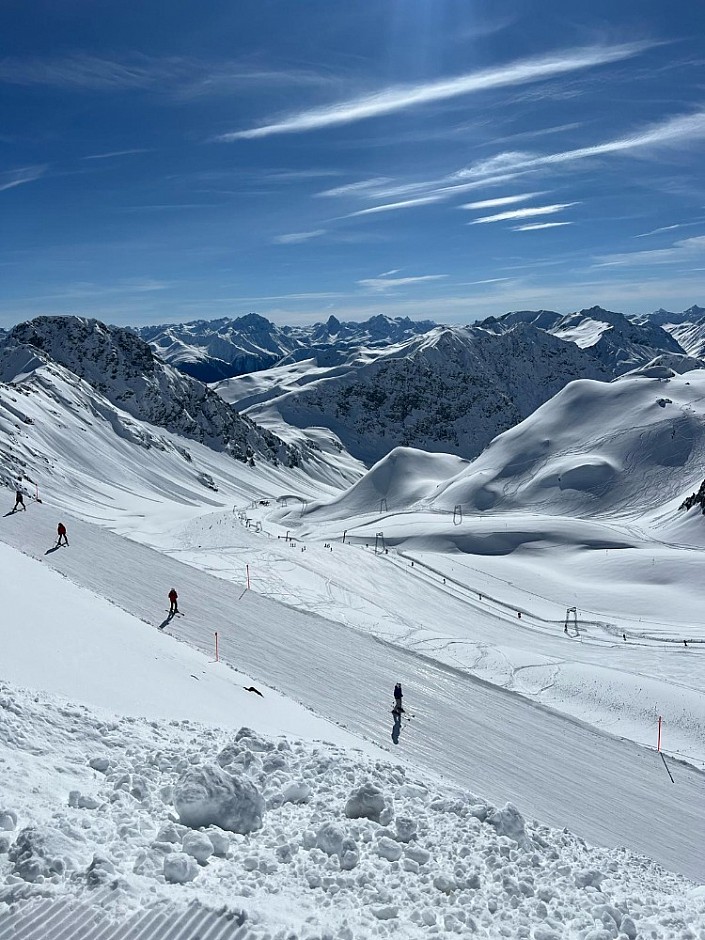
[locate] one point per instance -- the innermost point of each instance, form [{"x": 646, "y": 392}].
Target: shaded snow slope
[
  {"x": 449, "y": 391},
  {"x": 123, "y": 369},
  {"x": 347, "y": 676}
]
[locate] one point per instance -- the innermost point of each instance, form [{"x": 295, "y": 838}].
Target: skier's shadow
[
  {"x": 10, "y": 513},
  {"x": 165, "y": 623},
  {"x": 54, "y": 548},
  {"x": 396, "y": 728}
]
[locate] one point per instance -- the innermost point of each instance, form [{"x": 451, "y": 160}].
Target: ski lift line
[{"x": 612, "y": 629}]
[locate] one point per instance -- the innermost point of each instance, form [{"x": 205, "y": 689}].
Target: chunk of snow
[
  {"x": 365, "y": 802},
  {"x": 509, "y": 822},
  {"x": 180, "y": 868},
  {"x": 198, "y": 846},
  {"x": 8, "y": 820},
  {"x": 208, "y": 796}
]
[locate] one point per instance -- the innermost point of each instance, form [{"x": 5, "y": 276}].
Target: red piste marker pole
[
  {"x": 217, "y": 657},
  {"x": 658, "y": 743},
  {"x": 247, "y": 568}
]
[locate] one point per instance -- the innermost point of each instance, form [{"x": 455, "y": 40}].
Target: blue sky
[{"x": 446, "y": 159}]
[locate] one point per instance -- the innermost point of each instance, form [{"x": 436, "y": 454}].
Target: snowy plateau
[{"x": 489, "y": 515}]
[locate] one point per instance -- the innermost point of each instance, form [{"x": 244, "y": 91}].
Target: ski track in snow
[{"x": 467, "y": 730}]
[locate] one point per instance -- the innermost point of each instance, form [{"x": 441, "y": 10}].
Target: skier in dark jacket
[
  {"x": 19, "y": 501},
  {"x": 397, "y": 698},
  {"x": 173, "y": 602},
  {"x": 61, "y": 532}
]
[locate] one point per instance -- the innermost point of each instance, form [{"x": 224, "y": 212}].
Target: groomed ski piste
[{"x": 108, "y": 709}]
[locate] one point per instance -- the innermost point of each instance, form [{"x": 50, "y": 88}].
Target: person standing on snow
[
  {"x": 397, "y": 698},
  {"x": 173, "y": 602},
  {"x": 19, "y": 501},
  {"x": 61, "y": 532}
]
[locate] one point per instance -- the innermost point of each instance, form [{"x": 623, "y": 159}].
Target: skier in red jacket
[
  {"x": 61, "y": 532},
  {"x": 173, "y": 602}
]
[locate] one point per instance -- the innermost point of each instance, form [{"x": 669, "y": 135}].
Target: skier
[
  {"x": 398, "y": 709},
  {"x": 173, "y": 602},
  {"x": 61, "y": 532},
  {"x": 19, "y": 501}
]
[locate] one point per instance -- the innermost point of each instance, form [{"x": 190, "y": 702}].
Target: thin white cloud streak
[
  {"x": 508, "y": 167},
  {"x": 353, "y": 189},
  {"x": 667, "y": 133},
  {"x": 537, "y": 226},
  {"x": 401, "y": 97},
  {"x": 522, "y": 213},
  {"x": 435, "y": 195},
  {"x": 681, "y": 252},
  {"x": 26, "y": 174},
  {"x": 500, "y": 201},
  {"x": 297, "y": 238},
  {"x": 393, "y": 206},
  {"x": 114, "y": 153},
  {"x": 382, "y": 284}
]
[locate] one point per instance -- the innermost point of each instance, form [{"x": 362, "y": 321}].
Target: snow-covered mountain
[
  {"x": 450, "y": 390},
  {"x": 211, "y": 350},
  {"x": 617, "y": 341},
  {"x": 666, "y": 318},
  {"x": 123, "y": 369},
  {"x": 624, "y": 448}
]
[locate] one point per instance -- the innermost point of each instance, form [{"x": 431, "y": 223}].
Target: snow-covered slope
[
  {"x": 690, "y": 335},
  {"x": 123, "y": 369},
  {"x": 594, "y": 449},
  {"x": 451, "y": 390},
  {"x": 618, "y": 342},
  {"x": 58, "y": 433},
  {"x": 217, "y": 349}
]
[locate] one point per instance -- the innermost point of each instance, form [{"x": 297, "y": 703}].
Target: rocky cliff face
[{"x": 123, "y": 368}]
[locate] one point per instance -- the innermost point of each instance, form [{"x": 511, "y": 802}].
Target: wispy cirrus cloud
[
  {"x": 181, "y": 75},
  {"x": 684, "y": 251},
  {"x": 297, "y": 238},
  {"x": 500, "y": 201},
  {"x": 509, "y": 166},
  {"x": 537, "y": 226},
  {"x": 671, "y": 132},
  {"x": 115, "y": 153},
  {"x": 527, "y": 213},
  {"x": 402, "y": 97},
  {"x": 26, "y": 174},
  {"x": 386, "y": 283}
]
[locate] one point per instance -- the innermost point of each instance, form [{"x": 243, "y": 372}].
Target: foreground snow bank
[{"x": 90, "y": 804}]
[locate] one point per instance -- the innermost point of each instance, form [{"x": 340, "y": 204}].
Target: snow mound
[
  {"x": 208, "y": 796},
  {"x": 396, "y": 481},
  {"x": 595, "y": 449}
]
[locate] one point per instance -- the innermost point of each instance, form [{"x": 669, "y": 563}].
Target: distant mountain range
[
  {"x": 618, "y": 342},
  {"x": 374, "y": 385},
  {"x": 211, "y": 350}
]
